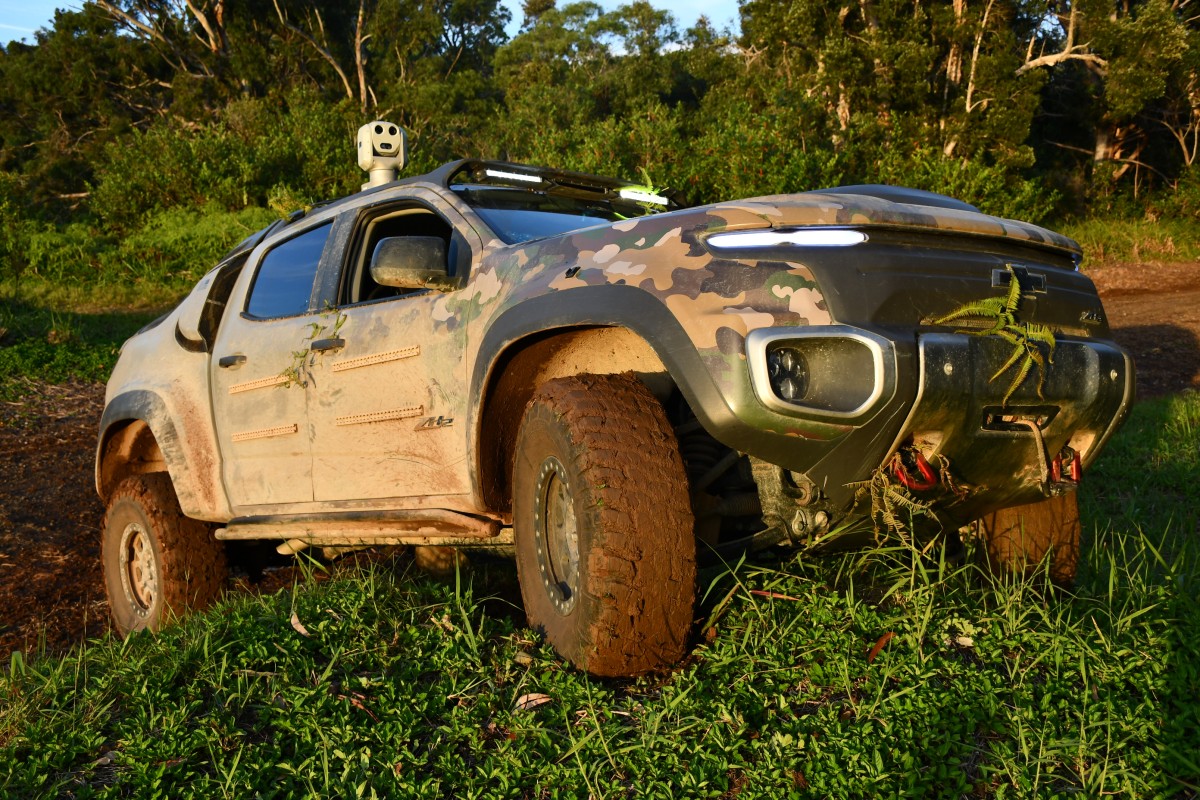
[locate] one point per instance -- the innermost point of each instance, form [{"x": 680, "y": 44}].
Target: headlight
[
  {"x": 832, "y": 371},
  {"x": 788, "y": 372},
  {"x": 773, "y": 237}
]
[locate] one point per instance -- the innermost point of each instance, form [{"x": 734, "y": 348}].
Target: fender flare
[
  {"x": 605, "y": 306},
  {"x": 612, "y": 306},
  {"x": 145, "y": 406}
]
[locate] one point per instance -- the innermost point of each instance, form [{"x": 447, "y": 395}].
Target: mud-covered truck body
[{"x": 495, "y": 354}]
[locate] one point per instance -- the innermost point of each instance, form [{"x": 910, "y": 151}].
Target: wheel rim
[
  {"x": 139, "y": 570},
  {"x": 556, "y": 534}
]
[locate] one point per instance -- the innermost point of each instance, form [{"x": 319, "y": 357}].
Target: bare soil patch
[
  {"x": 1154, "y": 311},
  {"x": 51, "y": 586}
]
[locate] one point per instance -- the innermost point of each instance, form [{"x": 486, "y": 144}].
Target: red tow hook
[
  {"x": 928, "y": 479},
  {"x": 1067, "y": 461}
]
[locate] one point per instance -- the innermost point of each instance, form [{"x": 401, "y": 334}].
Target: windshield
[{"x": 519, "y": 215}]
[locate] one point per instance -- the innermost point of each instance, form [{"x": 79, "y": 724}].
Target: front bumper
[
  {"x": 998, "y": 452},
  {"x": 992, "y": 446}
]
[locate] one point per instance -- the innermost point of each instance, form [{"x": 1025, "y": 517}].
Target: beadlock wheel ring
[
  {"x": 139, "y": 569},
  {"x": 556, "y": 536}
]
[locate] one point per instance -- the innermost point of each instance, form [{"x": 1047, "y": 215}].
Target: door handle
[
  {"x": 325, "y": 345},
  {"x": 235, "y": 360}
]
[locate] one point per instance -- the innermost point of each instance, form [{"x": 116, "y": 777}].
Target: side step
[{"x": 417, "y": 527}]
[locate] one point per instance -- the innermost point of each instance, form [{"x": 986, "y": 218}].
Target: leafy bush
[
  {"x": 176, "y": 246},
  {"x": 1121, "y": 239},
  {"x": 16, "y": 227},
  {"x": 995, "y": 190},
  {"x": 72, "y": 254},
  {"x": 256, "y": 148},
  {"x": 173, "y": 248},
  {"x": 1180, "y": 202},
  {"x": 745, "y": 152}
]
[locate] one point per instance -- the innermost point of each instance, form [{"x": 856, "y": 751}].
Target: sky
[{"x": 20, "y": 18}]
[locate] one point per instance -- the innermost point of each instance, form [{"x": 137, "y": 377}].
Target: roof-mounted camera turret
[{"x": 382, "y": 150}]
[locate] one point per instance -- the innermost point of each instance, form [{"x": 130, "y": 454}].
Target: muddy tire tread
[
  {"x": 641, "y": 565},
  {"x": 192, "y": 562}
]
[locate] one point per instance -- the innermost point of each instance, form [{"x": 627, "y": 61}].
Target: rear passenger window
[{"x": 285, "y": 277}]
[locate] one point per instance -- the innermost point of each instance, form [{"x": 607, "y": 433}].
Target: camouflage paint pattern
[{"x": 716, "y": 299}]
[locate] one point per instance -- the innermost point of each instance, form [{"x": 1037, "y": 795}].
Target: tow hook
[
  {"x": 1066, "y": 462},
  {"x": 928, "y": 477}
]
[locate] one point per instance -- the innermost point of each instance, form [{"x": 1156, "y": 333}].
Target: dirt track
[
  {"x": 51, "y": 589},
  {"x": 1154, "y": 311}
]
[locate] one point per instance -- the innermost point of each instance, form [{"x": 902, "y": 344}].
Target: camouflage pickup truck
[{"x": 609, "y": 383}]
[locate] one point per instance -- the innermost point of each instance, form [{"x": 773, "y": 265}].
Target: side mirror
[
  {"x": 190, "y": 313},
  {"x": 411, "y": 262},
  {"x": 200, "y": 313}
]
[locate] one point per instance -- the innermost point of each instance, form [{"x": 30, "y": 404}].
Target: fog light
[{"x": 788, "y": 372}]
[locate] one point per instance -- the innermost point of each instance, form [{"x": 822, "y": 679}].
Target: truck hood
[{"x": 814, "y": 209}]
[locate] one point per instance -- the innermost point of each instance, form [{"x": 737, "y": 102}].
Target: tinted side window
[{"x": 285, "y": 277}]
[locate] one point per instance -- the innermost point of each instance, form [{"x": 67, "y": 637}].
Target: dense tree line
[{"x": 127, "y": 108}]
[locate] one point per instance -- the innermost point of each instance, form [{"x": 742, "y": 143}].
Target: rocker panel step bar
[{"x": 424, "y": 527}]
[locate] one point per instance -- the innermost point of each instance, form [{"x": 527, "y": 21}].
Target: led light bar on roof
[
  {"x": 511, "y": 176},
  {"x": 640, "y": 196},
  {"x": 819, "y": 237}
]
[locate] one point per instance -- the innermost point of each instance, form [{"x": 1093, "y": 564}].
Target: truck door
[
  {"x": 388, "y": 406},
  {"x": 259, "y": 373}
]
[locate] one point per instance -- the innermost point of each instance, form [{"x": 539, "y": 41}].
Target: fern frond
[
  {"x": 1022, "y": 373},
  {"x": 892, "y": 521},
  {"x": 987, "y": 308},
  {"x": 1013, "y": 301},
  {"x": 1018, "y": 351},
  {"x": 1012, "y": 336},
  {"x": 1002, "y": 322},
  {"x": 915, "y": 507},
  {"x": 1035, "y": 355},
  {"x": 1043, "y": 335}
]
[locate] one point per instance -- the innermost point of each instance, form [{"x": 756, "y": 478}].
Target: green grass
[
  {"x": 1113, "y": 240},
  {"x": 408, "y": 687},
  {"x": 78, "y": 292},
  {"x": 38, "y": 339}
]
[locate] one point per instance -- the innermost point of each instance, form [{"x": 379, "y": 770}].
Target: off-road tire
[
  {"x": 602, "y": 445},
  {"x": 173, "y": 564},
  {"x": 1018, "y": 538}
]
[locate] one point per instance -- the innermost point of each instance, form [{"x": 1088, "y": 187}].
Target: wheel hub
[
  {"x": 139, "y": 570},
  {"x": 556, "y": 536}
]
